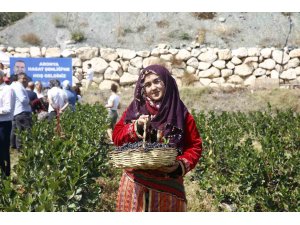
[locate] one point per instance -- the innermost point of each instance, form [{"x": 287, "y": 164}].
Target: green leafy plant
[
  {"x": 77, "y": 36},
  {"x": 185, "y": 36},
  {"x": 59, "y": 20},
  {"x": 250, "y": 161},
  {"x": 60, "y": 173},
  {"x": 7, "y": 18},
  {"x": 204, "y": 15}
]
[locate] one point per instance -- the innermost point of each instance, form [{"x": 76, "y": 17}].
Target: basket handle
[{"x": 144, "y": 135}]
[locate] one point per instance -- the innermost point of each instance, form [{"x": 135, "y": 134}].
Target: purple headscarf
[{"x": 171, "y": 114}]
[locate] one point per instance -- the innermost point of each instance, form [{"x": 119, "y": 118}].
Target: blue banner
[{"x": 43, "y": 69}]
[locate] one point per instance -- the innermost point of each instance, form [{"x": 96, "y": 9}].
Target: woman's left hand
[{"x": 169, "y": 169}]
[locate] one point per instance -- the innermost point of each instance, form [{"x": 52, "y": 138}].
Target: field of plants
[
  {"x": 60, "y": 172},
  {"x": 250, "y": 162}
]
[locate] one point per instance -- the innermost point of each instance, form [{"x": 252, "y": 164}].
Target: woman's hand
[
  {"x": 139, "y": 125},
  {"x": 142, "y": 120}
]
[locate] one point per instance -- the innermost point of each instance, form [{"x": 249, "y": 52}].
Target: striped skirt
[{"x": 134, "y": 197}]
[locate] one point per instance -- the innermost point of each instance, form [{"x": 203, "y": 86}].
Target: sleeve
[
  {"x": 7, "y": 102},
  {"x": 192, "y": 146},
  {"x": 124, "y": 132},
  {"x": 110, "y": 100}
]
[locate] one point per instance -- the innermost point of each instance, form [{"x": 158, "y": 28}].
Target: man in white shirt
[
  {"x": 57, "y": 98},
  {"x": 113, "y": 104},
  {"x": 89, "y": 76},
  {"x": 22, "y": 112},
  {"x": 7, "y": 104}
]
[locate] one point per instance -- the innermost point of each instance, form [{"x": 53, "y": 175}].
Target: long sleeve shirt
[
  {"x": 22, "y": 99},
  {"x": 7, "y": 102},
  {"x": 124, "y": 133}
]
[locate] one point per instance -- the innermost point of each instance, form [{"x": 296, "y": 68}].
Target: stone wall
[{"x": 193, "y": 66}]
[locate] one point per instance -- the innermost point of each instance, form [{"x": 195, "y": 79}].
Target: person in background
[
  {"x": 40, "y": 106},
  {"x": 7, "y": 103},
  {"x": 113, "y": 104},
  {"x": 2, "y": 67},
  {"x": 6, "y": 80},
  {"x": 4, "y": 73},
  {"x": 157, "y": 105},
  {"x": 77, "y": 91},
  {"x": 89, "y": 75},
  {"x": 31, "y": 94},
  {"x": 58, "y": 100},
  {"x": 71, "y": 95},
  {"x": 22, "y": 112},
  {"x": 38, "y": 89}
]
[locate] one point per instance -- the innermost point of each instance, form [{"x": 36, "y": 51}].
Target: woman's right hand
[
  {"x": 139, "y": 124},
  {"x": 142, "y": 120}
]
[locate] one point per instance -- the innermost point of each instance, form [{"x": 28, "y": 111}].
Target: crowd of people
[{"x": 20, "y": 98}]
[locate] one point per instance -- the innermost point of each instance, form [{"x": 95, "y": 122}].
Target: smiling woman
[
  {"x": 154, "y": 87},
  {"x": 158, "y": 112}
]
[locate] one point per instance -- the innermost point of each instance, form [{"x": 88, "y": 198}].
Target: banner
[{"x": 43, "y": 69}]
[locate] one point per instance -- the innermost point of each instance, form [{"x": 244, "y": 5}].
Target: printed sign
[{"x": 43, "y": 69}]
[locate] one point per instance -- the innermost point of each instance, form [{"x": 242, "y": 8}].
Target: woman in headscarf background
[{"x": 157, "y": 103}]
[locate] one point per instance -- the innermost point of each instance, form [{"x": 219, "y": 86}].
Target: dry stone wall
[{"x": 193, "y": 66}]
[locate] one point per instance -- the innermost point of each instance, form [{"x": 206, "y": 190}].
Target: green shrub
[
  {"x": 141, "y": 28},
  {"x": 77, "y": 36},
  {"x": 162, "y": 24},
  {"x": 7, "y": 18},
  {"x": 185, "y": 36},
  {"x": 251, "y": 161},
  {"x": 58, "y": 20},
  {"x": 204, "y": 15},
  {"x": 60, "y": 172}
]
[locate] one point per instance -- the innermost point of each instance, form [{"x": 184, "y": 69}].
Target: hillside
[{"x": 141, "y": 31}]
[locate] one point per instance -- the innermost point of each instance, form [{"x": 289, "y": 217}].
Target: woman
[
  {"x": 77, "y": 91},
  {"x": 157, "y": 103},
  {"x": 38, "y": 89}
]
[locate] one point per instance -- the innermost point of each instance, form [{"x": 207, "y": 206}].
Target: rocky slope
[{"x": 142, "y": 31}]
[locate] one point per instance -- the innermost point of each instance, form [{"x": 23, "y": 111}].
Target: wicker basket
[{"x": 141, "y": 159}]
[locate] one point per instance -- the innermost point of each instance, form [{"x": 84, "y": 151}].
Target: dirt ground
[{"x": 204, "y": 99}]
